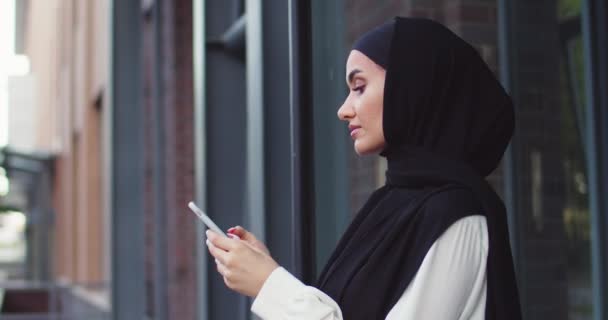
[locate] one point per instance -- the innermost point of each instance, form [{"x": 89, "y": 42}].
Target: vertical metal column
[
  {"x": 200, "y": 163},
  {"x": 253, "y": 150},
  {"x": 595, "y": 39},
  {"x": 331, "y": 141},
  {"x": 127, "y": 175},
  {"x": 506, "y": 64},
  {"x": 221, "y": 121},
  {"x": 271, "y": 24},
  {"x": 301, "y": 140},
  {"x": 256, "y": 173},
  {"x": 160, "y": 200}
]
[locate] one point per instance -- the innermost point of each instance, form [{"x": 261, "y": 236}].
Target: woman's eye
[{"x": 359, "y": 89}]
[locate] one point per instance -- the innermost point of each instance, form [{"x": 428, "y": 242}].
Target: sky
[
  {"x": 7, "y": 24},
  {"x": 10, "y": 64},
  {"x": 7, "y": 9}
]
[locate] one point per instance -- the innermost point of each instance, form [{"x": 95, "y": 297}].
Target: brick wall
[
  {"x": 180, "y": 159},
  {"x": 177, "y": 102},
  {"x": 149, "y": 163}
]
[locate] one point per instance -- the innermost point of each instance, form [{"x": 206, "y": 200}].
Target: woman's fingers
[
  {"x": 249, "y": 238},
  {"x": 217, "y": 253},
  {"x": 242, "y": 265},
  {"x": 234, "y": 236},
  {"x": 239, "y": 231},
  {"x": 225, "y": 273},
  {"x": 221, "y": 268},
  {"x": 224, "y": 243}
]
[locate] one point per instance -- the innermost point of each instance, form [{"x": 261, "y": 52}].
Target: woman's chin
[{"x": 365, "y": 150}]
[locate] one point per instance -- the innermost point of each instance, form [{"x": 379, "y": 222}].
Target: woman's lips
[{"x": 354, "y": 131}]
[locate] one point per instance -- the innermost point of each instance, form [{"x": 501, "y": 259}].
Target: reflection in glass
[{"x": 576, "y": 204}]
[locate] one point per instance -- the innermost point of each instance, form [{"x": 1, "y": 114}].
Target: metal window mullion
[
  {"x": 302, "y": 173},
  {"x": 200, "y": 157},
  {"x": 256, "y": 182},
  {"x": 507, "y": 64},
  {"x": 160, "y": 200},
  {"x": 127, "y": 175},
  {"x": 331, "y": 143},
  {"x": 594, "y": 19}
]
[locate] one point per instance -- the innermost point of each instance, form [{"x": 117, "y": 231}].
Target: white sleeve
[
  {"x": 451, "y": 282},
  {"x": 452, "y": 273},
  {"x": 284, "y": 297}
]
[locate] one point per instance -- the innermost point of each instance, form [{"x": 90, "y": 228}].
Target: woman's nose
[{"x": 346, "y": 111}]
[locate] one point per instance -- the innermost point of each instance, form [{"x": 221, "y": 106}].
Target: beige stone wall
[{"x": 67, "y": 43}]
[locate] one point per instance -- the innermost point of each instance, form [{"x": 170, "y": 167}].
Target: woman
[{"x": 433, "y": 242}]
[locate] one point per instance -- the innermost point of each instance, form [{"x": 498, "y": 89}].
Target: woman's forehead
[{"x": 358, "y": 61}]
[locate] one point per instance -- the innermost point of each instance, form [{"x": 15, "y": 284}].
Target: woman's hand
[
  {"x": 249, "y": 238},
  {"x": 244, "y": 267}
]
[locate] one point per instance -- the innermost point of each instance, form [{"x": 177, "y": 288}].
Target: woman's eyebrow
[{"x": 352, "y": 74}]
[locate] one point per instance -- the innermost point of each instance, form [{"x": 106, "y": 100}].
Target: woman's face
[{"x": 362, "y": 108}]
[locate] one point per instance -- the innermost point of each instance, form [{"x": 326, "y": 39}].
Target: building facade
[{"x": 144, "y": 105}]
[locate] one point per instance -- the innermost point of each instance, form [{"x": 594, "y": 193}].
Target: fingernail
[
  {"x": 207, "y": 233},
  {"x": 217, "y": 261},
  {"x": 207, "y": 242}
]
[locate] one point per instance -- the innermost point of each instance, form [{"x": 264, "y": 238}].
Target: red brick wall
[
  {"x": 177, "y": 92},
  {"x": 149, "y": 163},
  {"x": 180, "y": 160}
]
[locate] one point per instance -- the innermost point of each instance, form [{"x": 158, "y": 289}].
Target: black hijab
[{"x": 447, "y": 122}]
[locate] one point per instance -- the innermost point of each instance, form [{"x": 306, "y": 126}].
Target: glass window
[{"x": 554, "y": 229}]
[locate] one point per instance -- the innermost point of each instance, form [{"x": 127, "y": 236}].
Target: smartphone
[{"x": 206, "y": 220}]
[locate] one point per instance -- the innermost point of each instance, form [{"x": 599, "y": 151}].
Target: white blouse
[{"x": 450, "y": 284}]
